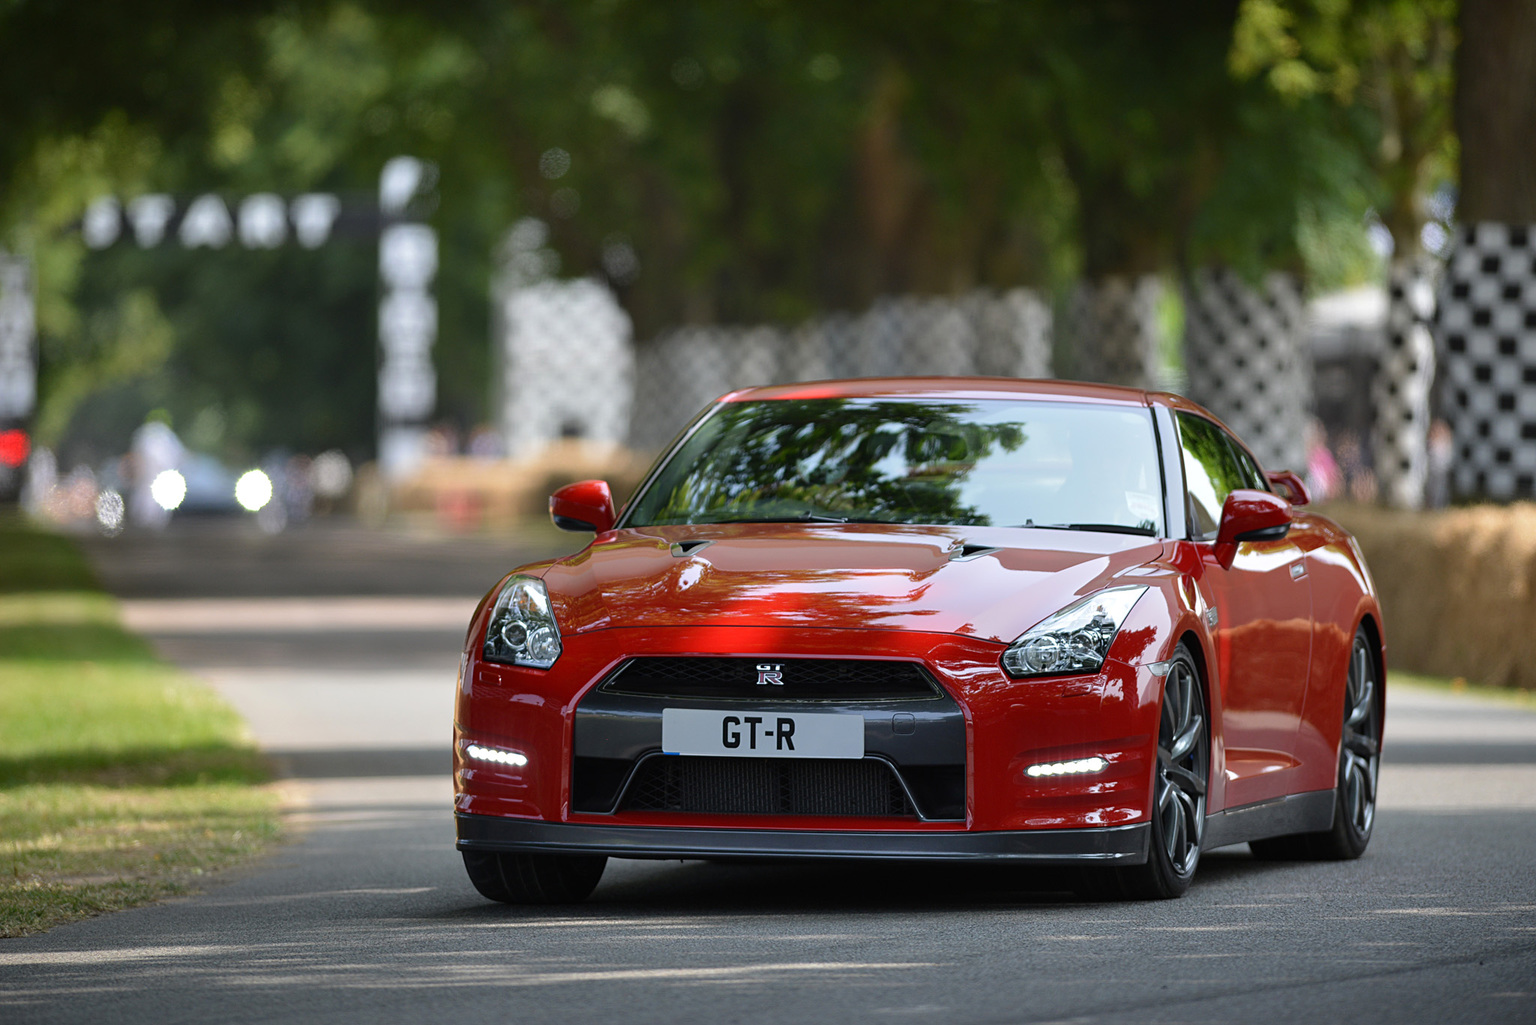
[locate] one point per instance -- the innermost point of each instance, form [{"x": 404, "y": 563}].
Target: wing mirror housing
[
  {"x": 1249, "y": 515},
  {"x": 1291, "y": 486},
  {"x": 585, "y": 505}
]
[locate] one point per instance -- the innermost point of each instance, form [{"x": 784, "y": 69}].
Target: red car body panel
[{"x": 1271, "y": 630}]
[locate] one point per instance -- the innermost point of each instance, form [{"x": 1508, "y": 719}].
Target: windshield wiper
[
  {"x": 1107, "y": 528},
  {"x": 807, "y": 517}
]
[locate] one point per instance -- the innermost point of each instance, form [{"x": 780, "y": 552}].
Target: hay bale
[{"x": 1457, "y": 586}]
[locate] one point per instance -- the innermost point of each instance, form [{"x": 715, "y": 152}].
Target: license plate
[{"x": 748, "y": 734}]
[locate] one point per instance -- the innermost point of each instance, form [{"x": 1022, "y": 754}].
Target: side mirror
[
  {"x": 1250, "y": 516},
  {"x": 585, "y": 505},
  {"x": 1291, "y": 486}
]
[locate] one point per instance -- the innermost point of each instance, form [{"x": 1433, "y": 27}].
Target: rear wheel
[
  {"x": 1178, "y": 797},
  {"x": 1354, "y": 803},
  {"x": 534, "y": 878}
]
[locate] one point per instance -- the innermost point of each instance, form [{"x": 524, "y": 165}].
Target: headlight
[
  {"x": 1074, "y": 640},
  {"x": 523, "y": 629}
]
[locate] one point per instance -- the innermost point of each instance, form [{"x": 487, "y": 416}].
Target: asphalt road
[{"x": 368, "y": 915}]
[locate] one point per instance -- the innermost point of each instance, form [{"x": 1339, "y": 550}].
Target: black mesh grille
[
  {"x": 803, "y": 679},
  {"x": 755, "y": 786}
]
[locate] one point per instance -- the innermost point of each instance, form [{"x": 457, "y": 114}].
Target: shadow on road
[{"x": 638, "y": 891}]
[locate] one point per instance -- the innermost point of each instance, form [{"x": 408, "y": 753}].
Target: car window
[
  {"x": 1003, "y": 463},
  {"x": 1211, "y": 472},
  {"x": 1253, "y": 477}
]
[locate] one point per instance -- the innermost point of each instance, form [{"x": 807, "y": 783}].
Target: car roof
[{"x": 949, "y": 388}]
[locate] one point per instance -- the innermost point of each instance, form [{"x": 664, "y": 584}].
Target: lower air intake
[{"x": 749, "y": 786}]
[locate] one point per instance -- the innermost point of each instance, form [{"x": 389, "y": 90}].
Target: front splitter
[{"x": 1112, "y": 845}]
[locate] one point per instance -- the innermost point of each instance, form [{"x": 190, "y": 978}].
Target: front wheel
[
  {"x": 1178, "y": 797},
  {"x": 534, "y": 878},
  {"x": 1354, "y": 802}
]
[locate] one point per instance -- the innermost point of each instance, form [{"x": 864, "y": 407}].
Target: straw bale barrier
[{"x": 1457, "y": 586}]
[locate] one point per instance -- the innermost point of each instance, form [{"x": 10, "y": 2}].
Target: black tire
[
  {"x": 1354, "y": 801},
  {"x": 534, "y": 878},
  {"x": 1179, "y": 783}
]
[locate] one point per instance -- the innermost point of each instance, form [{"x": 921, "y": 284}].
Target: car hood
[{"x": 986, "y": 582}]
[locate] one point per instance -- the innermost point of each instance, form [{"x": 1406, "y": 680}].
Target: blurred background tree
[
  {"x": 1388, "y": 61},
  {"x": 714, "y": 161}
]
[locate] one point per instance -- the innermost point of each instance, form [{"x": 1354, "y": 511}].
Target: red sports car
[{"x": 929, "y": 619}]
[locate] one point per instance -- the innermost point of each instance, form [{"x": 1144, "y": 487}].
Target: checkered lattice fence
[
  {"x": 1112, "y": 326},
  {"x": 566, "y": 364},
  {"x": 1247, "y": 360},
  {"x": 1404, "y": 376},
  {"x": 1487, "y": 336},
  {"x": 681, "y": 371}
]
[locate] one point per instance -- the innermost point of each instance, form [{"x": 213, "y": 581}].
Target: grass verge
[
  {"x": 1516, "y": 696},
  {"x": 122, "y": 780}
]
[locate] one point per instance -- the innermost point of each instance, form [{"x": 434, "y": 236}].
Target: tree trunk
[
  {"x": 1244, "y": 349},
  {"x": 1496, "y": 111},
  {"x": 1112, "y": 327}
]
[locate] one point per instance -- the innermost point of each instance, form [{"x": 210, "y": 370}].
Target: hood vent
[
  {"x": 967, "y": 552},
  {"x": 683, "y": 549}
]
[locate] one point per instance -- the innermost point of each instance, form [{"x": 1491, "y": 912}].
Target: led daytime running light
[
  {"x": 495, "y": 754},
  {"x": 1074, "y": 768}
]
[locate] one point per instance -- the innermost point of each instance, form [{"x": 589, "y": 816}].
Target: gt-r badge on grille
[{"x": 767, "y": 674}]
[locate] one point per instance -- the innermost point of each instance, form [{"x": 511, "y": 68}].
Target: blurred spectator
[
  {"x": 1322, "y": 468},
  {"x": 1359, "y": 476},
  {"x": 42, "y": 476},
  {"x": 296, "y": 489},
  {"x": 272, "y": 518},
  {"x": 1437, "y": 477},
  {"x": 73, "y": 499},
  {"x": 485, "y": 443},
  {"x": 442, "y": 440},
  {"x": 330, "y": 478}
]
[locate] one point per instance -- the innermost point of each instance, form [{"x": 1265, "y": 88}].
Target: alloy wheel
[
  {"x": 1360, "y": 750},
  {"x": 1183, "y": 761}
]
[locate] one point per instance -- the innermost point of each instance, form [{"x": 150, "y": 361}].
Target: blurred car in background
[{"x": 210, "y": 487}]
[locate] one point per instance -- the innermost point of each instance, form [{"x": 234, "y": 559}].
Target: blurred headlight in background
[
  {"x": 168, "y": 489},
  {"x": 253, "y": 490}
]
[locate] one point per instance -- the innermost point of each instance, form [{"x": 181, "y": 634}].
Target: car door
[{"x": 1262, "y": 629}]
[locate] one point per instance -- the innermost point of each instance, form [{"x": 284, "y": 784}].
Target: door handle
[{"x": 1298, "y": 571}]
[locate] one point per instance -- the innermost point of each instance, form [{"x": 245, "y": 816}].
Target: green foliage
[
  {"x": 1389, "y": 58},
  {"x": 764, "y": 161},
  {"x": 32, "y": 560},
  {"x": 1286, "y": 168}
]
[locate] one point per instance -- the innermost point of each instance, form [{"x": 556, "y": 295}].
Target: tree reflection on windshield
[{"x": 976, "y": 463}]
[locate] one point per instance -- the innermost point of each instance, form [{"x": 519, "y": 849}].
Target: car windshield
[{"x": 920, "y": 461}]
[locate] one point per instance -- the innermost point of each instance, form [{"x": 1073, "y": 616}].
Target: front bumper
[
  {"x": 1009, "y": 725},
  {"x": 1112, "y": 845}
]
